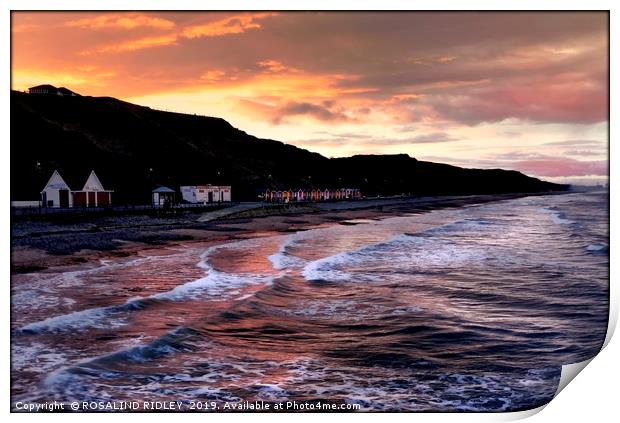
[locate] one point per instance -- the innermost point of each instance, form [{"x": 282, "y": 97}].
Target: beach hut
[
  {"x": 219, "y": 193},
  {"x": 56, "y": 192},
  {"x": 287, "y": 196},
  {"x": 93, "y": 194},
  {"x": 162, "y": 196},
  {"x": 206, "y": 193}
]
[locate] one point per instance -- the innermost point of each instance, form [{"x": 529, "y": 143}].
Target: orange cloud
[
  {"x": 123, "y": 21},
  {"x": 212, "y": 75},
  {"x": 23, "y": 28},
  {"x": 227, "y": 26},
  {"x": 137, "y": 44},
  {"x": 272, "y": 65},
  {"x": 231, "y": 25}
]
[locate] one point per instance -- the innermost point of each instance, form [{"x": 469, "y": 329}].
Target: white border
[{"x": 592, "y": 397}]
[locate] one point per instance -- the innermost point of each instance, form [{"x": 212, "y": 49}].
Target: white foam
[
  {"x": 215, "y": 283},
  {"x": 597, "y": 247},
  {"x": 404, "y": 252},
  {"x": 282, "y": 260},
  {"x": 556, "y": 217},
  {"x": 35, "y": 358},
  {"x": 323, "y": 269},
  {"x": 77, "y": 320},
  {"x": 272, "y": 392},
  {"x": 411, "y": 309}
]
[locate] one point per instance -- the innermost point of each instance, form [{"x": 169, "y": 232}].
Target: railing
[{"x": 117, "y": 209}]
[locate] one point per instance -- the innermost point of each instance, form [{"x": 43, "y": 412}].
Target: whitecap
[
  {"x": 557, "y": 217},
  {"x": 282, "y": 259},
  {"x": 597, "y": 248}
]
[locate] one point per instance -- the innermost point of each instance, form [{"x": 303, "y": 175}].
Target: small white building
[
  {"x": 162, "y": 196},
  {"x": 56, "y": 193},
  {"x": 206, "y": 194},
  {"x": 48, "y": 89}
]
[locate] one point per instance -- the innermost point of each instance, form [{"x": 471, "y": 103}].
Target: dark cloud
[
  {"x": 574, "y": 102},
  {"x": 433, "y": 138},
  {"x": 344, "y": 135},
  {"x": 407, "y": 128},
  {"x": 575, "y": 143},
  {"x": 521, "y": 155},
  {"x": 367, "y": 142},
  {"x": 318, "y": 112},
  {"x": 583, "y": 153}
]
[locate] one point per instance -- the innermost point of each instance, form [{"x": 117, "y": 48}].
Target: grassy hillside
[{"x": 134, "y": 148}]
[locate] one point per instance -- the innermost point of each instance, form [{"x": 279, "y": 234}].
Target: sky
[{"x": 515, "y": 90}]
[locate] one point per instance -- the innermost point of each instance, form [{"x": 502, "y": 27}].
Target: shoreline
[{"x": 43, "y": 245}]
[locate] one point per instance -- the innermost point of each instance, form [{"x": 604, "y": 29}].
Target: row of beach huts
[
  {"x": 58, "y": 194},
  {"x": 296, "y": 195}
]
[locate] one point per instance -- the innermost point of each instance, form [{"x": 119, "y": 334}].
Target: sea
[{"x": 472, "y": 309}]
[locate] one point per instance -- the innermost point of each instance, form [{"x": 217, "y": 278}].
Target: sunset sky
[{"x": 524, "y": 91}]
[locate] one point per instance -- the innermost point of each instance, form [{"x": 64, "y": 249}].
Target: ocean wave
[
  {"x": 557, "y": 217},
  {"x": 178, "y": 340},
  {"x": 282, "y": 259},
  {"x": 324, "y": 269},
  {"x": 408, "y": 253},
  {"x": 598, "y": 248},
  {"x": 83, "y": 319},
  {"x": 40, "y": 288},
  {"x": 216, "y": 284},
  {"x": 75, "y": 381}
]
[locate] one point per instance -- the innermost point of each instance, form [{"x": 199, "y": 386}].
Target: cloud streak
[
  {"x": 121, "y": 21},
  {"x": 227, "y": 26}
]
